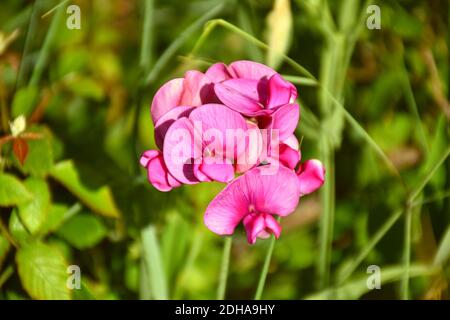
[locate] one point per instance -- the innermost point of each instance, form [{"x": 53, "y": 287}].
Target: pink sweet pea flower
[
  {"x": 157, "y": 172},
  {"x": 257, "y": 91},
  {"x": 254, "y": 198},
  {"x": 197, "y": 148}
]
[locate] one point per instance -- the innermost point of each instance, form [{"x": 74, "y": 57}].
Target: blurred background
[{"x": 72, "y": 192}]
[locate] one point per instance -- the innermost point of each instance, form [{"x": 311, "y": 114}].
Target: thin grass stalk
[{"x": 224, "y": 268}]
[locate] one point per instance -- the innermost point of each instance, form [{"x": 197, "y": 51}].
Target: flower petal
[
  {"x": 198, "y": 89},
  {"x": 263, "y": 190},
  {"x": 311, "y": 176},
  {"x": 165, "y": 121},
  {"x": 250, "y": 70},
  {"x": 166, "y": 98},
  {"x": 221, "y": 172},
  {"x": 237, "y": 98},
  {"x": 218, "y": 72},
  {"x": 285, "y": 120},
  {"x": 281, "y": 92},
  {"x": 179, "y": 151},
  {"x": 157, "y": 172},
  {"x": 288, "y": 157}
]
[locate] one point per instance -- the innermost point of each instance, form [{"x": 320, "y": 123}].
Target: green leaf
[
  {"x": 42, "y": 270},
  {"x": 84, "y": 293},
  {"x": 55, "y": 218},
  {"x": 33, "y": 213},
  {"x": 17, "y": 229},
  {"x": 91, "y": 226},
  {"x": 98, "y": 200},
  {"x": 12, "y": 191},
  {"x": 153, "y": 264},
  {"x": 443, "y": 252},
  {"x": 24, "y": 101},
  {"x": 39, "y": 160}
]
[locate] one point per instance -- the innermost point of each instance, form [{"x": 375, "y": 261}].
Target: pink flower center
[{"x": 260, "y": 225}]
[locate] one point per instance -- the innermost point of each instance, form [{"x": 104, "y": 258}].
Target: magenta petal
[
  {"x": 285, "y": 120},
  {"x": 237, "y": 99},
  {"x": 288, "y": 157},
  {"x": 260, "y": 226},
  {"x": 261, "y": 190},
  {"x": 216, "y": 121},
  {"x": 157, "y": 174},
  {"x": 198, "y": 89},
  {"x": 254, "y": 225},
  {"x": 311, "y": 176},
  {"x": 281, "y": 92},
  {"x": 250, "y": 70},
  {"x": 272, "y": 225},
  {"x": 227, "y": 209},
  {"x": 166, "y": 98},
  {"x": 179, "y": 151},
  {"x": 165, "y": 121},
  {"x": 147, "y": 156},
  {"x": 273, "y": 190},
  {"x": 292, "y": 142},
  {"x": 218, "y": 72},
  {"x": 221, "y": 172}
]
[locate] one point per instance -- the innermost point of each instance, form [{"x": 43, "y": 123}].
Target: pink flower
[
  {"x": 197, "y": 148},
  {"x": 257, "y": 91},
  {"x": 254, "y": 198},
  {"x": 158, "y": 175}
]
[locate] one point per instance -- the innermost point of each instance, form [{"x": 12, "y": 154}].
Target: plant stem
[
  {"x": 224, "y": 268},
  {"x": 327, "y": 219},
  {"x": 372, "y": 243},
  {"x": 182, "y": 38},
  {"x": 406, "y": 253},
  {"x": 147, "y": 36},
  {"x": 265, "y": 269}
]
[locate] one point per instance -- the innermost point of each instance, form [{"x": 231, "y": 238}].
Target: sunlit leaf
[
  {"x": 34, "y": 212},
  {"x": 99, "y": 200},
  {"x": 42, "y": 271},
  {"x": 12, "y": 191}
]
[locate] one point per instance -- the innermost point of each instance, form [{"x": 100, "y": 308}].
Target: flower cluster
[{"x": 233, "y": 124}]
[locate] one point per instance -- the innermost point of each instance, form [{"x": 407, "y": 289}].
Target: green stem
[
  {"x": 430, "y": 174},
  {"x": 265, "y": 269},
  {"x": 224, "y": 268},
  {"x": 147, "y": 36},
  {"x": 406, "y": 254},
  {"x": 182, "y": 38},
  {"x": 372, "y": 243},
  {"x": 327, "y": 219}
]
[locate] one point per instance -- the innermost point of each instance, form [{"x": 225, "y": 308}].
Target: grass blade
[
  {"x": 224, "y": 268},
  {"x": 265, "y": 269},
  {"x": 182, "y": 38},
  {"x": 153, "y": 263}
]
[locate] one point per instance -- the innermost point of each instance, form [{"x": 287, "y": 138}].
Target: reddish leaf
[{"x": 20, "y": 148}]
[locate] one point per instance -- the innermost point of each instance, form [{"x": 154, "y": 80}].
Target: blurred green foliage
[{"x": 80, "y": 197}]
